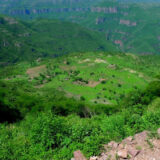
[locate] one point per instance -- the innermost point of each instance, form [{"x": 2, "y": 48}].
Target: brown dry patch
[
  {"x": 39, "y": 86},
  {"x": 84, "y": 61},
  {"x": 100, "y": 61},
  {"x": 71, "y": 95},
  {"x": 79, "y": 83},
  {"x": 130, "y": 70},
  {"x": 35, "y": 71},
  {"x": 68, "y": 68},
  {"x": 112, "y": 66},
  {"x": 95, "y": 83}
]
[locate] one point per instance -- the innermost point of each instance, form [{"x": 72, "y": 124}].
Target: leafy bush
[{"x": 66, "y": 125}]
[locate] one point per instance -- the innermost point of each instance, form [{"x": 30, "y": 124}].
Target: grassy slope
[
  {"x": 42, "y": 38},
  {"x": 98, "y": 77},
  {"x": 42, "y": 135}
]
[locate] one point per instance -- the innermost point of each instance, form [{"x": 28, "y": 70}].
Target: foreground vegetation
[{"x": 39, "y": 121}]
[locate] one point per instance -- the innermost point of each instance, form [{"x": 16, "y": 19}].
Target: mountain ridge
[{"x": 23, "y": 40}]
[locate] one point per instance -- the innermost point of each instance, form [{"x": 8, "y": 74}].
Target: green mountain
[
  {"x": 132, "y": 26},
  {"x": 42, "y": 38},
  {"x": 53, "y": 105}
]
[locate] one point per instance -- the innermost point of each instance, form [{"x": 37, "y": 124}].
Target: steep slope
[
  {"x": 64, "y": 103},
  {"x": 33, "y": 7},
  {"x": 42, "y": 38},
  {"x": 94, "y": 78},
  {"x": 132, "y": 26}
]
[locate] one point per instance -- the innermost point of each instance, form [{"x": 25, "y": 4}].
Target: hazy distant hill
[
  {"x": 41, "y": 38},
  {"x": 133, "y": 27}
]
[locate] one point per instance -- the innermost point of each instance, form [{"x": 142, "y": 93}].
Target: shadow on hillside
[{"x": 9, "y": 115}]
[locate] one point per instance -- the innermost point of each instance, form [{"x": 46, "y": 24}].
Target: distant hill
[
  {"x": 132, "y": 26},
  {"x": 41, "y": 38}
]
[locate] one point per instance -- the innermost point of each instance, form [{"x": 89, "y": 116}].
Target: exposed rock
[
  {"x": 122, "y": 153},
  {"x": 141, "y": 138},
  {"x": 137, "y": 148},
  {"x": 47, "y": 10},
  {"x": 94, "y": 158},
  {"x": 79, "y": 156},
  {"x": 128, "y": 140},
  {"x": 104, "y": 9},
  {"x": 121, "y": 146},
  {"x": 158, "y": 131},
  {"x": 113, "y": 145},
  {"x": 119, "y": 42},
  {"x": 132, "y": 151},
  {"x": 100, "y": 61},
  {"x": 127, "y": 22}
]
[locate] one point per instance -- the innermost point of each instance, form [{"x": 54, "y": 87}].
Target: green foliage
[
  {"x": 55, "y": 136},
  {"x": 52, "y": 120},
  {"x": 22, "y": 41}
]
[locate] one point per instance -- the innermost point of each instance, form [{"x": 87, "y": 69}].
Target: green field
[{"x": 94, "y": 77}]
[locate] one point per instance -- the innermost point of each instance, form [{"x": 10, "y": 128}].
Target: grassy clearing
[{"x": 97, "y": 78}]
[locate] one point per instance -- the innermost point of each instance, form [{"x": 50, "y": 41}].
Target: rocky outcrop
[
  {"x": 100, "y": 20},
  {"x": 29, "y": 11},
  {"x": 119, "y": 42},
  {"x": 127, "y": 22},
  {"x": 142, "y": 146},
  {"x": 104, "y": 9},
  {"x": 46, "y": 10},
  {"x": 78, "y": 156}
]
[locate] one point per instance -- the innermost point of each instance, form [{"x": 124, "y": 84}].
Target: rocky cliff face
[
  {"x": 35, "y": 11},
  {"x": 127, "y": 22},
  {"x": 113, "y": 18},
  {"x": 104, "y": 9}
]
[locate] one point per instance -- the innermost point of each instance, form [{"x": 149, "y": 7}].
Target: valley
[
  {"x": 21, "y": 41},
  {"x": 77, "y": 78}
]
